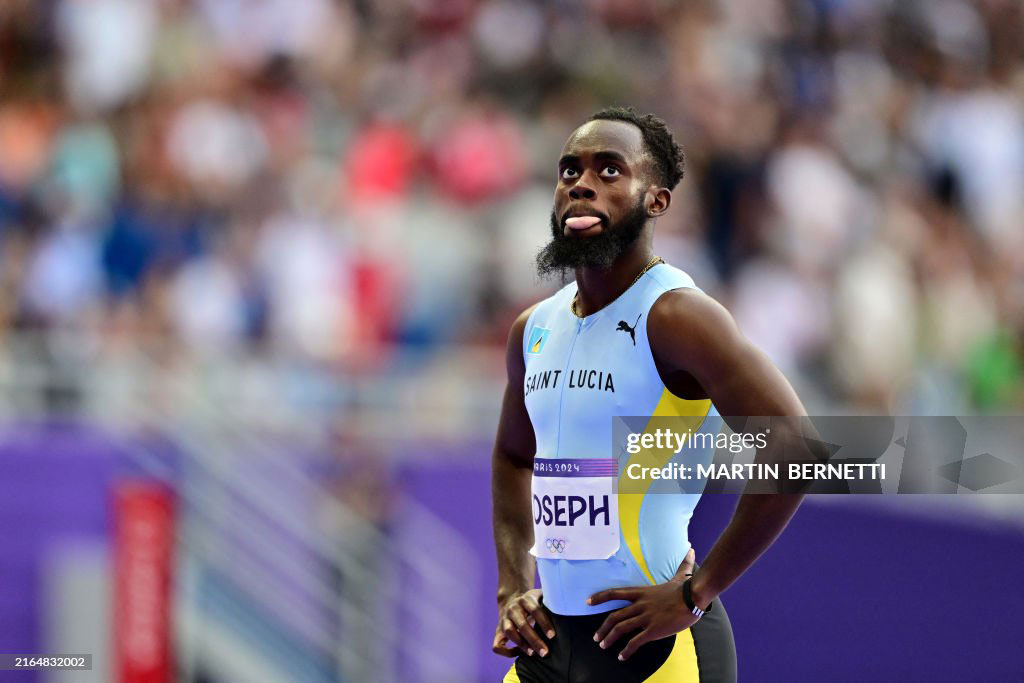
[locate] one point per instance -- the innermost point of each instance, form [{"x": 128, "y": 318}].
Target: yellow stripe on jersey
[{"x": 632, "y": 492}]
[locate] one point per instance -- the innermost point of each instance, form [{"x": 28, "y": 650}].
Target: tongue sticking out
[{"x": 581, "y": 222}]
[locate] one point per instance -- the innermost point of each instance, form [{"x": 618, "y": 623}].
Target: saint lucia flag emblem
[{"x": 538, "y": 336}]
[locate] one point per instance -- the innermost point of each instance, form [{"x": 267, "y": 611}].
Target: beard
[{"x": 568, "y": 252}]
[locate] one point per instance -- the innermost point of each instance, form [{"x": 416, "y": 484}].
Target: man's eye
[
  {"x": 610, "y": 170},
  {"x": 568, "y": 173}
]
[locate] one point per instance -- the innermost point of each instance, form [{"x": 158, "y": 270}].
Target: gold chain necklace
[{"x": 653, "y": 262}]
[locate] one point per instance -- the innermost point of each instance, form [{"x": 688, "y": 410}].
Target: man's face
[{"x": 599, "y": 209}]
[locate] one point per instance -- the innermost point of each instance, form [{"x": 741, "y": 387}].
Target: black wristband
[{"x": 688, "y": 599}]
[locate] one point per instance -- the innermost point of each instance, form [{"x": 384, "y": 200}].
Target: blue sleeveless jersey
[{"x": 580, "y": 374}]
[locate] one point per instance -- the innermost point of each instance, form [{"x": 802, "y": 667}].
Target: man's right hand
[{"x": 517, "y": 618}]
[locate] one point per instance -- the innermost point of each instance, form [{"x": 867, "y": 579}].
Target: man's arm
[
  {"x": 691, "y": 332},
  {"x": 695, "y": 339},
  {"x": 511, "y": 473}
]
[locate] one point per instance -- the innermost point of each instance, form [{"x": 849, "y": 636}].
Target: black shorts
[{"x": 703, "y": 653}]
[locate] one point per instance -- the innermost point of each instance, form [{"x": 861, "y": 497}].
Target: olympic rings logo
[{"x": 555, "y": 545}]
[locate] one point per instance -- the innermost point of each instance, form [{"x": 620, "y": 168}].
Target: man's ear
[{"x": 658, "y": 200}]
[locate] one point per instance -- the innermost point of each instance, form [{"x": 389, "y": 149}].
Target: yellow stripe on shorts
[{"x": 512, "y": 676}]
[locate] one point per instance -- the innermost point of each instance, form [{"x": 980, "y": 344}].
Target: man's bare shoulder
[{"x": 690, "y": 311}]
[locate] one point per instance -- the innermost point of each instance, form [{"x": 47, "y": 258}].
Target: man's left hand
[{"x": 656, "y": 612}]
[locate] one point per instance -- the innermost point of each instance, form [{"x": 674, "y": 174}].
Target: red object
[
  {"x": 143, "y": 564},
  {"x": 381, "y": 162},
  {"x": 375, "y": 304},
  {"x": 481, "y": 157}
]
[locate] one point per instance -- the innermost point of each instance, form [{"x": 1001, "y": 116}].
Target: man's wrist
[
  {"x": 700, "y": 592},
  {"x": 695, "y": 609},
  {"x": 506, "y": 594}
]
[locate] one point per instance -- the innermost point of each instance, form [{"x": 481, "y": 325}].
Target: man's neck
[{"x": 598, "y": 287}]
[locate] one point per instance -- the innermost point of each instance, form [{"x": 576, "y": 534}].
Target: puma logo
[{"x": 624, "y": 327}]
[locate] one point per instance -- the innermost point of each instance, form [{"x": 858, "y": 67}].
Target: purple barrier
[
  {"x": 847, "y": 593},
  {"x": 55, "y": 482},
  {"x": 55, "y": 486}
]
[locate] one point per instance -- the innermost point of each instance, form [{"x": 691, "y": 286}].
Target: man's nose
[{"x": 582, "y": 190}]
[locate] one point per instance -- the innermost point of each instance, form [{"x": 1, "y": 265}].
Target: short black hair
[{"x": 668, "y": 155}]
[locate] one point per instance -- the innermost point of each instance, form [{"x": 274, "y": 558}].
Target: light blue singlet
[{"x": 580, "y": 374}]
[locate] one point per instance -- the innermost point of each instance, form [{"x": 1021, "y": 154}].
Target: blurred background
[{"x": 259, "y": 258}]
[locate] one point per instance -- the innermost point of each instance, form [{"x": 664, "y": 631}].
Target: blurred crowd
[{"x": 343, "y": 181}]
